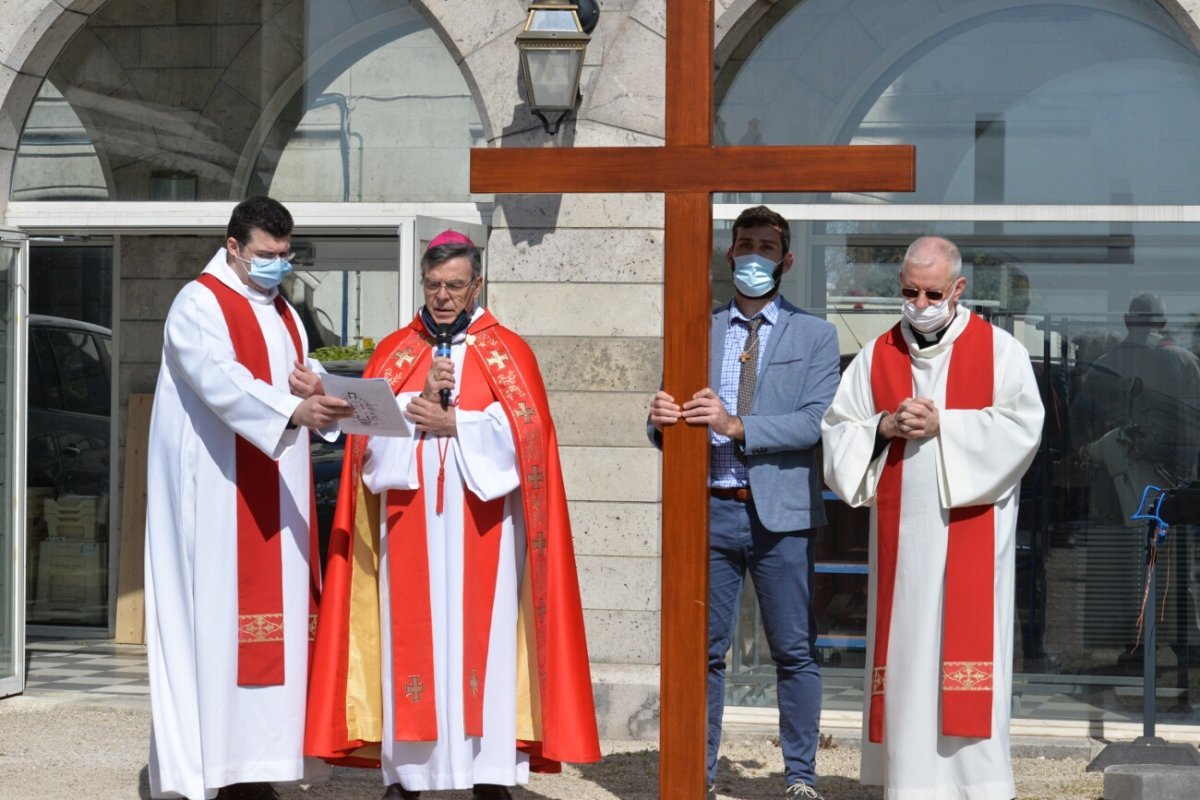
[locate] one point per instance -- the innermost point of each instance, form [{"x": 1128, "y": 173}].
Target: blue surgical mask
[
  {"x": 267, "y": 272},
  {"x": 754, "y": 275}
]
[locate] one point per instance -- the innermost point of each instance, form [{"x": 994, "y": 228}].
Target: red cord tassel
[{"x": 441, "y": 489}]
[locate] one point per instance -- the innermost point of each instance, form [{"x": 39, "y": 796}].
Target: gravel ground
[{"x": 53, "y": 747}]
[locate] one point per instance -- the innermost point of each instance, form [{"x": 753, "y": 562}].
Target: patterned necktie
[{"x": 749, "y": 359}]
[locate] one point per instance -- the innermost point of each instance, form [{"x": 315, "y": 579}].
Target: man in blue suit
[{"x": 774, "y": 371}]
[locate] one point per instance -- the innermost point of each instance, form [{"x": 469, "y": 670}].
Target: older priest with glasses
[
  {"x": 933, "y": 426},
  {"x": 450, "y": 645}
]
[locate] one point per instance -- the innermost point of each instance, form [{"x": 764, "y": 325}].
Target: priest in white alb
[
  {"x": 933, "y": 426},
  {"x": 450, "y": 647},
  {"x": 230, "y": 545}
]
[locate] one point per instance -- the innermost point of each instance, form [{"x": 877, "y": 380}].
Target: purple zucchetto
[{"x": 450, "y": 237}]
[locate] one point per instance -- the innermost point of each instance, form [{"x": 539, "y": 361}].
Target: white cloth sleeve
[
  {"x": 848, "y": 436},
  {"x": 390, "y": 462},
  {"x": 983, "y": 454},
  {"x": 329, "y": 433},
  {"x": 197, "y": 344},
  {"x": 486, "y": 452}
]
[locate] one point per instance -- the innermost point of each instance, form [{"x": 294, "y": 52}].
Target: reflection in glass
[
  {"x": 334, "y": 100},
  {"x": 8, "y": 265},
  {"x": 1110, "y": 314},
  {"x": 1096, "y": 102}
]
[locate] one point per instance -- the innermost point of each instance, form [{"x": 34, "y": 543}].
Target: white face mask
[{"x": 929, "y": 319}]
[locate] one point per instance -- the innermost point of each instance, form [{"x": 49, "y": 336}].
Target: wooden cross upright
[{"x": 688, "y": 170}]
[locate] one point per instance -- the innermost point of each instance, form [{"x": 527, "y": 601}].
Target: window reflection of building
[{"x": 1000, "y": 114}]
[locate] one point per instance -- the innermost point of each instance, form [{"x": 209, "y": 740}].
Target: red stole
[
  {"x": 968, "y": 622},
  {"x": 415, "y": 713},
  {"x": 259, "y": 555},
  {"x": 568, "y": 718}
]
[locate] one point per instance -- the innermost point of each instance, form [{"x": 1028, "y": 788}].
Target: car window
[
  {"x": 81, "y": 370},
  {"x": 44, "y": 388}
]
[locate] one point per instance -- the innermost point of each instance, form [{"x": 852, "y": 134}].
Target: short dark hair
[
  {"x": 268, "y": 215},
  {"x": 435, "y": 256},
  {"x": 761, "y": 215}
]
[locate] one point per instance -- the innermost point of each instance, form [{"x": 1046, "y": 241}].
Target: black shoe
[
  {"x": 489, "y": 791},
  {"x": 398, "y": 792},
  {"x": 248, "y": 791}
]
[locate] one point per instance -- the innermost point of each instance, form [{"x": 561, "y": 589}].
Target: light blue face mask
[
  {"x": 268, "y": 272},
  {"x": 754, "y": 275}
]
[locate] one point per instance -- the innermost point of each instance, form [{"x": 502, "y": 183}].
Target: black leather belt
[{"x": 739, "y": 493}]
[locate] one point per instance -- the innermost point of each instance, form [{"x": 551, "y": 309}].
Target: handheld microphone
[{"x": 442, "y": 340}]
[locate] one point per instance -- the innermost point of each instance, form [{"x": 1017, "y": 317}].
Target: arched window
[{"x": 335, "y": 101}]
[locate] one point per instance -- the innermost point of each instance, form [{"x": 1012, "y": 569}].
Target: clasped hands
[
  {"x": 914, "y": 418},
  {"x": 316, "y": 409},
  {"x": 705, "y": 408},
  {"x": 425, "y": 410}
]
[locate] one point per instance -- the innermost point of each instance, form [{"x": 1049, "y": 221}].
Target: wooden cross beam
[{"x": 688, "y": 170}]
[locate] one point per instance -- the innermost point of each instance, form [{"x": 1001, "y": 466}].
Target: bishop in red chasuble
[
  {"x": 933, "y": 426},
  {"x": 450, "y": 643}
]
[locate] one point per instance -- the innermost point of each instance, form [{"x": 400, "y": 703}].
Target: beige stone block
[
  {"x": 148, "y": 299},
  {"x": 8, "y": 157},
  {"x": 611, "y": 473},
  {"x": 138, "y": 379},
  {"x": 653, "y": 14},
  {"x": 135, "y": 13},
  {"x": 577, "y": 255},
  {"x": 548, "y": 211},
  {"x": 175, "y": 47},
  {"x": 622, "y": 637},
  {"x": 604, "y": 419},
  {"x": 630, "y": 91},
  {"x": 228, "y": 40},
  {"x": 214, "y": 12},
  {"x": 33, "y": 33},
  {"x": 167, "y": 257},
  {"x": 176, "y": 87},
  {"x": 556, "y": 309},
  {"x": 599, "y": 364},
  {"x": 616, "y": 528},
  {"x": 82, "y": 6},
  {"x": 470, "y": 24},
  {"x": 626, "y": 697},
  {"x": 618, "y": 583},
  {"x": 494, "y": 71},
  {"x": 141, "y": 342},
  {"x": 590, "y": 133},
  {"x": 17, "y": 91}
]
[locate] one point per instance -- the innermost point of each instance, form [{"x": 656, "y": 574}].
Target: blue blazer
[{"x": 797, "y": 378}]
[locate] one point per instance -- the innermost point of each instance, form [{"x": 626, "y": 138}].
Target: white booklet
[{"x": 376, "y": 412}]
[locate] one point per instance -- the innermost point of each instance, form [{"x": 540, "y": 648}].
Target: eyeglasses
[
  {"x": 452, "y": 286},
  {"x": 932, "y": 295},
  {"x": 289, "y": 256}
]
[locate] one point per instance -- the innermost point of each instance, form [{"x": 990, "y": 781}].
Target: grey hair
[
  {"x": 928, "y": 250},
  {"x": 436, "y": 256}
]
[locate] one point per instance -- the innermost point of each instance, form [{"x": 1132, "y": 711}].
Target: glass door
[{"x": 13, "y": 258}]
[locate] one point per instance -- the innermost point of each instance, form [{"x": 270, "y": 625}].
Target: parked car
[{"x": 70, "y": 378}]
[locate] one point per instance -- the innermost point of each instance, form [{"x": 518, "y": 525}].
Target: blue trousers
[{"x": 782, "y": 569}]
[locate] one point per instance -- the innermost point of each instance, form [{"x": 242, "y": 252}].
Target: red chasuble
[
  {"x": 260, "y": 562},
  {"x": 967, "y": 630},
  {"x": 344, "y": 710}
]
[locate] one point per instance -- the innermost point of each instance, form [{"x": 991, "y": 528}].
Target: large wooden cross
[{"x": 687, "y": 170}]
